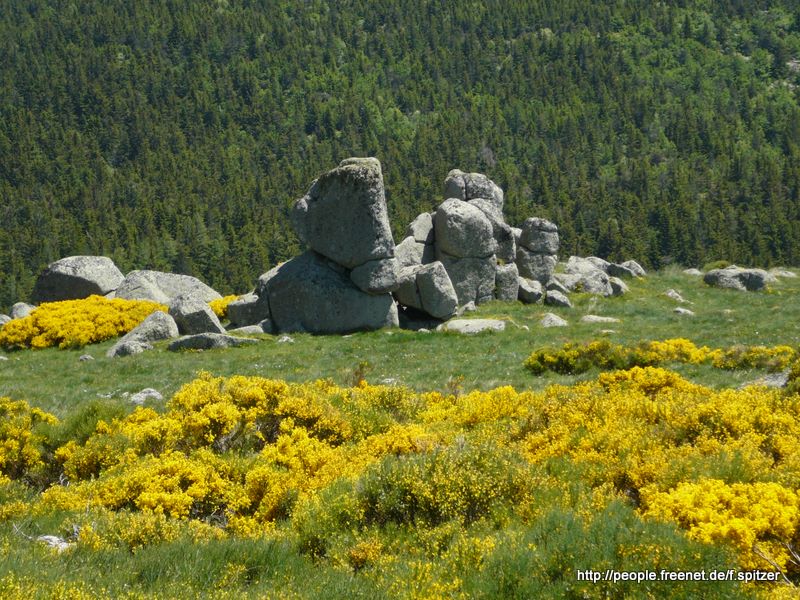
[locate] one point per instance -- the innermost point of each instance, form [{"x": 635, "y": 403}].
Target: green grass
[{"x": 57, "y": 381}]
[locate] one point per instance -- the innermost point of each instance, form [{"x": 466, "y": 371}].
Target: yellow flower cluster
[
  {"x": 748, "y": 516},
  {"x": 238, "y": 456},
  {"x": 75, "y": 323},
  {"x": 220, "y": 305},
  {"x": 578, "y": 358},
  {"x": 20, "y": 445}
]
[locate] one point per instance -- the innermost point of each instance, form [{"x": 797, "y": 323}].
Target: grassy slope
[{"x": 57, "y": 381}]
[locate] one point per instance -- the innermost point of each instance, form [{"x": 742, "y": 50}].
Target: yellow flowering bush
[
  {"x": 578, "y": 358},
  {"x": 76, "y": 323},
  {"x": 20, "y": 444},
  {"x": 748, "y": 516},
  {"x": 220, "y": 305}
]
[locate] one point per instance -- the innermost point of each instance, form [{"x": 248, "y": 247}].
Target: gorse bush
[
  {"x": 573, "y": 359},
  {"x": 426, "y": 488},
  {"x": 76, "y": 323},
  {"x": 220, "y": 306}
]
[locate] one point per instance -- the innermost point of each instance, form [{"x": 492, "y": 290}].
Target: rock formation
[{"x": 76, "y": 277}]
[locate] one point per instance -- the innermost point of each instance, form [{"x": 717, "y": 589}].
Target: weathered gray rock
[
  {"x": 535, "y": 266},
  {"x": 376, "y": 276},
  {"x": 554, "y": 298},
  {"x": 407, "y": 292},
  {"x": 129, "y": 348},
  {"x": 209, "y": 341},
  {"x": 506, "y": 246},
  {"x": 343, "y": 216},
  {"x": 635, "y": 267},
  {"x": 598, "y": 319},
  {"x": 674, "y": 295},
  {"x": 139, "y": 398},
  {"x": 506, "y": 282},
  {"x": 436, "y": 291},
  {"x": 556, "y": 285},
  {"x": 463, "y": 231},
  {"x": 472, "y": 278},
  {"x": 530, "y": 291},
  {"x": 4, "y": 319},
  {"x": 619, "y": 270},
  {"x": 85, "y": 358},
  {"x": 693, "y": 272},
  {"x": 771, "y": 380},
  {"x": 469, "y": 186},
  {"x": 551, "y": 320},
  {"x": 781, "y": 272},
  {"x": 307, "y": 294},
  {"x": 683, "y": 311},
  {"x": 194, "y": 316},
  {"x": 76, "y": 277},
  {"x": 248, "y": 309},
  {"x": 618, "y": 287},
  {"x": 158, "y": 286},
  {"x": 410, "y": 253},
  {"x": 20, "y": 310},
  {"x": 421, "y": 229},
  {"x": 737, "y": 278},
  {"x": 157, "y": 326},
  {"x": 540, "y": 236},
  {"x": 465, "y": 308},
  {"x": 469, "y": 326},
  {"x": 581, "y": 266},
  {"x": 247, "y": 330}
]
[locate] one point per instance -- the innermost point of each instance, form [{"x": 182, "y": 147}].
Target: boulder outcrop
[
  {"x": 161, "y": 287},
  {"x": 76, "y": 277}
]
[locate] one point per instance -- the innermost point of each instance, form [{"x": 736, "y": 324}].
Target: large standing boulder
[
  {"x": 737, "y": 278},
  {"x": 76, "y": 277},
  {"x": 158, "y": 326},
  {"x": 343, "y": 216},
  {"x": 421, "y": 229},
  {"x": 194, "y": 316},
  {"x": 537, "y": 249},
  {"x": 161, "y": 287},
  {"x": 506, "y": 281},
  {"x": 309, "y": 294},
  {"x": 501, "y": 231}
]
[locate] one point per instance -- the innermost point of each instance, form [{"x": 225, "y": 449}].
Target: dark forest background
[{"x": 175, "y": 135}]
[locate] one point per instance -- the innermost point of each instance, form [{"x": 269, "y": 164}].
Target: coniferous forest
[{"x": 175, "y": 135}]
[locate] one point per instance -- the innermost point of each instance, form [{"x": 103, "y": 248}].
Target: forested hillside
[{"x": 175, "y": 135}]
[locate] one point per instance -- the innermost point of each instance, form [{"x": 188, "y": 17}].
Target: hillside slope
[{"x": 175, "y": 135}]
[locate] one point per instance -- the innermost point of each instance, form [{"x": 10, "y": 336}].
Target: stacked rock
[
  {"x": 537, "y": 255},
  {"x": 342, "y": 283}
]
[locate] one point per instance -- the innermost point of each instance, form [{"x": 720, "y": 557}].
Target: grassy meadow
[{"x": 409, "y": 464}]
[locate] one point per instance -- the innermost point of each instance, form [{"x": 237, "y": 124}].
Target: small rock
[
  {"x": 598, "y": 319},
  {"x": 423, "y": 330},
  {"x": 530, "y": 290},
  {"x": 247, "y": 330},
  {"x": 558, "y": 286},
  {"x": 675, "y": 295},
  {"x": 3, "y": 358},
  {"x": 55, "y": 542},
  {"x": 129, "y": 348},
  {"x": 781, "y": 272},
  {"x": 693, "y": 272},
  {"x": 285, "y": 339},
  {"x": 551, "y": 320},
  {"x": 635, "y": 267},
  {"x": 470, "y": 326},
  {"x": 683, "y": 311},
  {"x": 139, "y": 398},
  {"x": 4, "y": 319},
  {"x": 555, "y": 298},
  {"x": 468, "y": 307},
  {"x": 772, "y": 380},
  {"x": 20, "y": 310},
  {"x": 209, "y": 341},
  {"x": 618, "y": 287},
  {"x": 85, "y": 357}
]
